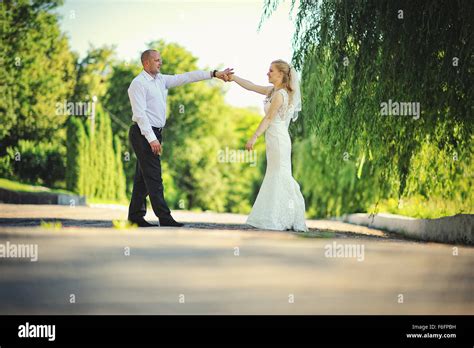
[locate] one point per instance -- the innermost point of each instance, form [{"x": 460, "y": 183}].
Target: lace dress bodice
[{"x": 283, "y": 114}]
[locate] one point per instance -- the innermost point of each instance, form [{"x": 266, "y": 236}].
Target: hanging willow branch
[{"x": 357, "y": 56}]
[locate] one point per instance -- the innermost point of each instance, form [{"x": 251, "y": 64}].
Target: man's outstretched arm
[{"x": 194, "y": 76}]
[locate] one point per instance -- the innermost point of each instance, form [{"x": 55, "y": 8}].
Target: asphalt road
[{"x": 217, "y": 265}]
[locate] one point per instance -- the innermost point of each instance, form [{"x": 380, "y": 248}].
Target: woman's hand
[
  {"x": 225, "y": 75},
  {"x": 251, "y": 143}
]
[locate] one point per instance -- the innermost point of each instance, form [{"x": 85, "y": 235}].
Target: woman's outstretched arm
[{"x": 248, "y": 85}]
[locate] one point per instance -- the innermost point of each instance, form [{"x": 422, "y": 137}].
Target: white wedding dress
[{"x": 279, "y": 204}]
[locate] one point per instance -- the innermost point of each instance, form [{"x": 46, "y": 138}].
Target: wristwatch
[{"x": 214, "y": 73}]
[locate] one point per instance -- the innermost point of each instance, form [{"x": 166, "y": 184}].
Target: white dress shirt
[{"x": 148, "y": 97}]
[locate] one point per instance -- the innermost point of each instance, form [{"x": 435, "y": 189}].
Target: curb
[
  {"x": 457, "y": 229},
  {"x": 18, "y": 197}
]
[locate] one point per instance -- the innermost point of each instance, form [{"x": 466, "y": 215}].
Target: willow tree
[{"x": 387, "y": 93}]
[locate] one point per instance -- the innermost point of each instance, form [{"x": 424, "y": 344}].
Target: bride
[{"x": 279, "y": 204}]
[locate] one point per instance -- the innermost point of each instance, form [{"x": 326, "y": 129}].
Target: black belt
[{"x": 159, "y": 129}]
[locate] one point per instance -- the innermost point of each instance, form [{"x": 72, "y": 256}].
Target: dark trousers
[{"x": 147, "y": 181}]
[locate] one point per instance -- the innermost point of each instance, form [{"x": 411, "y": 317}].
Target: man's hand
[
  {"x": 156, "y": 147},
  {"x": 225, "y": 75}
]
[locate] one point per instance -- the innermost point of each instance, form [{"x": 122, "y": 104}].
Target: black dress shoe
[
  {"x": 170, "y": 222},
  {"x": 141, "y": 223}
]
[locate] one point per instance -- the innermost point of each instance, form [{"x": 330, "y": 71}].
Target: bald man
[{"x": 147, "y": 94}]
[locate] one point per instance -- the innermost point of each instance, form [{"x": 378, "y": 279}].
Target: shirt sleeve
[
  {"x": 188, "y": 77},
  {"x": 137, "y": 95}
]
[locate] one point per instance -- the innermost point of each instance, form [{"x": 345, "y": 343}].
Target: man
[{"x": 147, "y": 94}]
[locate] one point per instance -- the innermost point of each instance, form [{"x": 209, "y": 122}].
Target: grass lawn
[
  {"x": 16, "y": 186},
  {"x": 19, "y": 187},
  {"x": 422, "y": 208}
]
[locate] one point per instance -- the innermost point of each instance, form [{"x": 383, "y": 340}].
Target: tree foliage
[
  {"x": 356, "y": 55},
  {"x": 199, "y": 125},
  {"x": 94, "y": 163},
  {"x": 37, "y": 71}
]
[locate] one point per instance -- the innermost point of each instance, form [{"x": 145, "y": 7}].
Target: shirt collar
[{"x": 148, "y": 77}]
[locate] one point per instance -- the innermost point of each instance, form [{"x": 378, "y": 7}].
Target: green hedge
[{"x": 34, "y": 162}]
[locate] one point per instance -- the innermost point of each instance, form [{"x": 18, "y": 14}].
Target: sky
[{"x": 219, "y": 33}]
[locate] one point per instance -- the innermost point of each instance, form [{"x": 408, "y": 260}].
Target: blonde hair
[{"x": 285, "y": 68}]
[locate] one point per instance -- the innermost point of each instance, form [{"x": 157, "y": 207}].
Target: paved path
[{"x": 217, "y": 265}]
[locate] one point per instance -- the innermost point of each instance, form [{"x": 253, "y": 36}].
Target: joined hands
[{"x": 225, "y": 75}]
